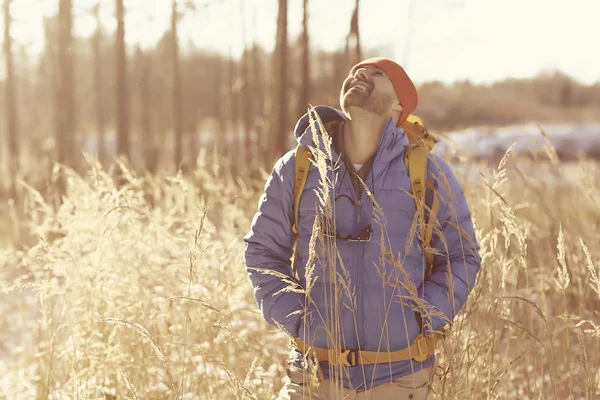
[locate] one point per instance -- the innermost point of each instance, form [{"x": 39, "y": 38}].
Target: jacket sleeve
[
  {"x": 457, "y": 261},
  {"x": 268, "y": 250}
]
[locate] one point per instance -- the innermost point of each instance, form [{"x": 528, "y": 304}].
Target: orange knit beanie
[{"x": 405, "y": 89}]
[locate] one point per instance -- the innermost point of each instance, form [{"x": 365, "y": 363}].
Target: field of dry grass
[{"x": 140, "y": 292}]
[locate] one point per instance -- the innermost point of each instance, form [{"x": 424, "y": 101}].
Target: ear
[{"x": 397, "y": 106}]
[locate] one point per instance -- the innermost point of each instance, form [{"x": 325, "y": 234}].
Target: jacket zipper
[
  {"x": 360, "y": 272},
  {"x": 356, "y": 272}
]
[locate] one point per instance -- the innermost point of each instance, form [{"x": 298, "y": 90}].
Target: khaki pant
[{"x": 410, "y": 387}]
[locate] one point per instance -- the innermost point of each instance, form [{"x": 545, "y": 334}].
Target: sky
[{"x": 446, "y": 40}]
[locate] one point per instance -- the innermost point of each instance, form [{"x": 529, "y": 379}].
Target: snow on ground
[{"x": 491, "y": 143}]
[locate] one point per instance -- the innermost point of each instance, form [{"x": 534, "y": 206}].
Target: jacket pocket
[
  {"x": 390, "y": 323},
  {"x": 328, "y": 315}
]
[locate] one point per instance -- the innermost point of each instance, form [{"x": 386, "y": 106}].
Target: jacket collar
[{"x": 392, "y": 143}]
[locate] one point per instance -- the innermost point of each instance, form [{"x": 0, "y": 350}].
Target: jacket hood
[{"x": 303, "y": 132}]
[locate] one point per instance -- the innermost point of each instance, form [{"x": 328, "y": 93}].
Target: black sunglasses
[{"x": 363, "y": 236}]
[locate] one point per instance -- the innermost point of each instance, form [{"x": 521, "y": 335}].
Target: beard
[{"x": 370, "y": 101}]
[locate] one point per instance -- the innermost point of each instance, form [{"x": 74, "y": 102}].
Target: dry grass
[{"x": 140, "y": 292}]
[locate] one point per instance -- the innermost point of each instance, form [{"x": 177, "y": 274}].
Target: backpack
[{"x": 415, "y": 159}]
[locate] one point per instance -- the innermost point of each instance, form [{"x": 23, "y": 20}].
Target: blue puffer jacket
[{"x": 365, "y": 302}]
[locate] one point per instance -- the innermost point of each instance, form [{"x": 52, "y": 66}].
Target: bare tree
[
  {"x": 194, "y": 74},
  {"x": 259, "y": 91},
  {"x": 281, "y": 102},
  {"x": 305, "y": 76},
  {"x": 218, "y": 105},
  {"x": 230, "y": 112},
  {"x": 122, "y": 92},
  {"x": 12, "y": 121},
  {"x": 246, "y": 103},
  {"x": 354, "y": 56},
  {"x": 145, "y": 98},
  {"x": 177, "y": 109},
  {"x": 65, "y": 107},
  {"x": 98, "y": 86}
]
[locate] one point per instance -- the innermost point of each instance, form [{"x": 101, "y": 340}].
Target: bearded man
[{"x": 372, "y": 335}]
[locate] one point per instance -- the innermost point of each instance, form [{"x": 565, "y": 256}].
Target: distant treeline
[
  {"x": 548, "y": 97},
  {"x": 159, "y": 102}
]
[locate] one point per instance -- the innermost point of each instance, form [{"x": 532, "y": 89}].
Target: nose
[{"x": 361, "y": 73}]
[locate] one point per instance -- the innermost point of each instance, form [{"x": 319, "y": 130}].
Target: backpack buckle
[
  {"x": 422, "y": 349},
  {"x": 348, "y": 357}
]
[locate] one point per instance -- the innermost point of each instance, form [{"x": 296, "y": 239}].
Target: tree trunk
[
  {"x": 281, "y": 106},
  {"x": 247, "y": 106},
  {"x": 65, "y": 109},
  {"x": 98, "y": 88},
  {"x": 192, "y": 133},
  {"x": 357, "y": 34},
  {"x": 353, "y": 56},
  {"x": 259, "y": 92},
  {"x": 305, "y": 77},
  {"x": 148, "y": 142},
  {"x": 246, "y": 103},
  {"x": 230, "y": 125},
  {"x": 177, "y": 111},
  {"x": 122, "y": 92},
  {"x": 12, "y": 122},
  {"x": 217, "y": 139}
]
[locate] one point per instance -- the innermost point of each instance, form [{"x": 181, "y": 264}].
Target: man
[{"x": 361, "y": 301}]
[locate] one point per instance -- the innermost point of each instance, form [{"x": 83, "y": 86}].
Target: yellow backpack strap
[
  {"x": 417, "y": 132},
  {"x": 302, "y": 165},
  {"x": 417, "y": 170},
  {"x": 416, "y": 164},
  {"x": 429, "y": 228}
]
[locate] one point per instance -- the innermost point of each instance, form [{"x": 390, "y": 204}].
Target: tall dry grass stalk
[{"x": 140, "y": 291}]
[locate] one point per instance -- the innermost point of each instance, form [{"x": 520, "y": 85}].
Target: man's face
[{"x": 368, "y": 88}]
